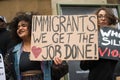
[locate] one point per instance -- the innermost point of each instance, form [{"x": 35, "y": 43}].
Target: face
[
  {"x": 2, "y": 24},
  {"x": 102, "y": 18},
  {"x": 22, "y": 30}
]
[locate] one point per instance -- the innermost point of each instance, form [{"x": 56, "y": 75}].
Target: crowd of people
[{"x": 15, "y": 48}]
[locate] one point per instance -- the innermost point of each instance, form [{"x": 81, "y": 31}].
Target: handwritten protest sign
[
  {"x": 70, "y": 37},
  {"x": 2, "y": 69},
  {"x": 109, "y": 43}
]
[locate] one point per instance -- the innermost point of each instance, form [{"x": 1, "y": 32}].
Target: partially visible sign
[
  {"x": 71, "y": 37},
  {"x": 2, "y": 69},
  {"x": 109, "y": 43}
]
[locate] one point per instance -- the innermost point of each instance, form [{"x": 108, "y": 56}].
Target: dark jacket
[
  {"x": 4, "y": 40},
  {"x": 101, "y": 69},
  {"x": 56, "y": 73}
]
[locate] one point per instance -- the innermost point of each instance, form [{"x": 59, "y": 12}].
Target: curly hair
[{"x": 14, "y": 24}]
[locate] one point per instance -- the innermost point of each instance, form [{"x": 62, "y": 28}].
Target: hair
[
  {"x": 112, "y": 19},
  {"x": 14, "y": 24}
]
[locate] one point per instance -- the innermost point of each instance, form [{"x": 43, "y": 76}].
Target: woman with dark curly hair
[
  {"x": 17, "y": 62},
  {"x": 102, "y": 69}
]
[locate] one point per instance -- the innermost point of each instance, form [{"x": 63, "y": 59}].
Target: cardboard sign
[
  {"x": 109, "y": 43},
  {"x": 70, "y": 37},
  {"x": 2, "y": 69}
]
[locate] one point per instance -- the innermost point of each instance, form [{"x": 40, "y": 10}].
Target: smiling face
[
  {"x": 102, "y": 18},
  {"x": 22, "y": 30}
]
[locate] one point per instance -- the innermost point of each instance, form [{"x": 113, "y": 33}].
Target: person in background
[
  {"x": 17, "y": 62},
  {"x": 102, "y": 69},
  {"x": 5, "y": 37}
]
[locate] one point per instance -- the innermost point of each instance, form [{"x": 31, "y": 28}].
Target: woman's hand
[
  {"x": 59, "y": 68},
  {"x": 57, "y": 60}
]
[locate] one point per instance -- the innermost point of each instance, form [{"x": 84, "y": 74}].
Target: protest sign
[
  {"x": 2, "y": 69},
  {"x": 70, "y": 37},
  {"x": 109, "y": 43}
]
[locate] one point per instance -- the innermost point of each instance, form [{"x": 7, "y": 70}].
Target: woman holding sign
[
  {"x": 17, "y": 62},
  {"x": 102, "y": 69}
]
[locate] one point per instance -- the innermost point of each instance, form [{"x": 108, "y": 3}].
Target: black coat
[
  {"x": 5, "y": 41},
  {"x": 101, "y": 69},
  {"x": 56, "y": 73}
]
